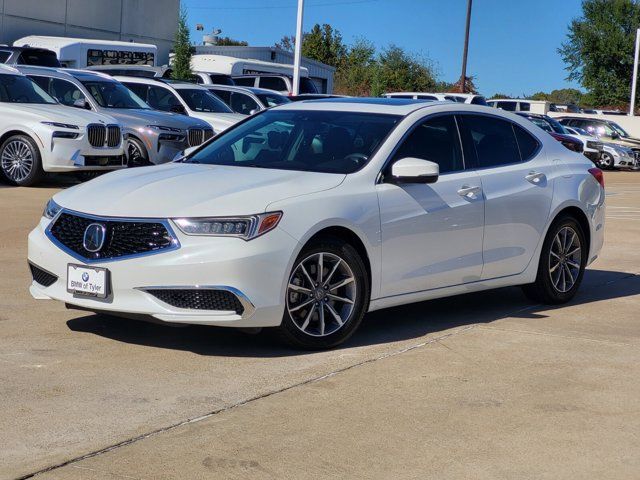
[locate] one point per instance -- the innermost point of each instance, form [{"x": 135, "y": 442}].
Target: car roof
[
  {"x": 166, "y": 82},
  {"x": 397, "y": 106},
  {"x": 238, "y": 88},
  {"x": 65, "y": 72}
]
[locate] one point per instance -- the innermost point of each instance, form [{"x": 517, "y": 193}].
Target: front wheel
[
  {"x": 562, "y": 263},
  {"x": 20, "y": 161},
  {"x": 137, "y": 155},
  {"x": 327, "y": 295},
  {"x": 605, "y": 162}
]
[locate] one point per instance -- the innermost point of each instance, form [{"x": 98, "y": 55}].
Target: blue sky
[{"x": 512, "y": 48}]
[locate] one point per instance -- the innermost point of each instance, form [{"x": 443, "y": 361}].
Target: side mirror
[
  {"x": 615, "y": 135},
  {"x": 254, "y": 111},
  {"x": 82, "y": 103},
  {"x": 414, "y": 170},
  {"x": 178, "y": 109}
]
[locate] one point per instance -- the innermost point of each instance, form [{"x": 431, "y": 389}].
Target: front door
[{"x": 432, "y": 233}]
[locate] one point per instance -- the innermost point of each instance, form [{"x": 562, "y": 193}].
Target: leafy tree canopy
[
  {"x": 182, "y": 49},
  {"x": 600, "y": 47}
]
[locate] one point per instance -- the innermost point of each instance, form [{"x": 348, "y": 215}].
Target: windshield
[
  {"x": 556, "y": 126},
  {"x": 309, "y": 141},
  {"x": 202, "y": 101},
  {"x": 272, "y": 100},
  {"x": 20, "y": 89},
  {"x": 621, "y": 131},
  {"x": 113, "y": 95}
]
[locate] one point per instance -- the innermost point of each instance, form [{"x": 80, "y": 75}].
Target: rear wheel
[
  {"x": 327, "y": 295},
  {"x": 562, "y": 263},
  {"x": 20, "y": 161}
]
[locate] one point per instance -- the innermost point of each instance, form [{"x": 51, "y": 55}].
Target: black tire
[
  {"x": 331, "y": 248},
  {"x": 23, "y": 147},
  {"x": 544, "y": 289},
  {"x": 137, "y": 155},
  {"x": 605, "y": 162}
]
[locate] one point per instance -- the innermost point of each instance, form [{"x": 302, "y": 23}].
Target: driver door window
[
  {"x": 65, "y": 92},
  {"x": 241, "y": 103},
  {"x": 435, "y": 140},
  {"x": 162, "y": 99}
]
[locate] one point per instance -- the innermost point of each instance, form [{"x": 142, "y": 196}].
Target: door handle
[
  {"x": 535, "y": 177},
  {"x": 469, "y": 191}
]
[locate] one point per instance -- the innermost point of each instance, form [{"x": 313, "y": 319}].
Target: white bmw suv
[
  {"x": 306, "y": 216},
  {"x": 39, "y": 135}
]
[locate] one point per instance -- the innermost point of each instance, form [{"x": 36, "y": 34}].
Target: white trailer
[
  {"x": 240, "y": 66},
  {"x": 84, "y": 52}
]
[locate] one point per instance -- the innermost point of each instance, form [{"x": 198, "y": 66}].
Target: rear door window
[
  {"x": 508, "y": 106},
  {"x": 490, "y": 140},
  {"x": 525, "y": 107},
  {"x": 274, "y": 83},
  {"x": 245, "y": 81},
  {"x": 4, "y": 56},
  {"x": 527, "y": 143}
]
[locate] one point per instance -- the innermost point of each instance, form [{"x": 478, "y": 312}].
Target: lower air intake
[
  {"x": 42, "y": 277},
  {"x": 199, "y": 299}
]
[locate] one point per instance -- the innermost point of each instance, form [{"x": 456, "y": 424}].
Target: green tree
[
  {"x": 356, "y": 73},
  {"x": 398, "y": 70},
  {"x": 599, "y": 49},
  {"x": 565, "y": 96},
  {"x": 230, "y": 42},
  {"x": 182, "y": 49},
  {"x": 323, "y": 43}
]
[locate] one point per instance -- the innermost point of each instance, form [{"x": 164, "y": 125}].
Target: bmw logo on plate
[
  {"x": 85, "y": 277},
  {"x": 94, "y": 236}
]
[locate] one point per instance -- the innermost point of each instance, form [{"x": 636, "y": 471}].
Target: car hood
[
  {"x": 219, "y": 121},
  {"x": 191, "y": 190},
  {"x": 58, "y": 113},
  {"x": 141, "y": 118}
]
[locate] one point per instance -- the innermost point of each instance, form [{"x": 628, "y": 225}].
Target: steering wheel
[
  {"x": 118, "y": 104},
  {"x": 357, "y": 158}
]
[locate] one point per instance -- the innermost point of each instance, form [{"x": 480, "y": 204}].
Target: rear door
[{"x": 517, "y": 181}]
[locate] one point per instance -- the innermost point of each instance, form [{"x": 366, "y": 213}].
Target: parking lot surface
[{"x": 480, "y": 386}]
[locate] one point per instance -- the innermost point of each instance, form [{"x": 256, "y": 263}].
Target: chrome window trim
[
  {"x": 249, "y": 308},
  {"x": 175, "y": 243}
]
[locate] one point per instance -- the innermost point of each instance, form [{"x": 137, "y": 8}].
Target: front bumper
[
  {"x": 256, "y": 271},
  {"x": 68, "y": 155}
]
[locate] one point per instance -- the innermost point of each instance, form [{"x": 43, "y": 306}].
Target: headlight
[
  {"x": 61, "y": 125},
  {"x": 245, "y": 227},
  {"x": 51, "y": 209},
  {"x": 161, "y": 128}
]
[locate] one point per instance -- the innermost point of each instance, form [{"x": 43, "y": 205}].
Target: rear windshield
[
  {"x": 307, "y": 85},
  {"x": 202, "y": 101},
  {"x": 41, "y": 58},
  {"x": 309, "y": 141},
  {"x": 20, "y": 89}
]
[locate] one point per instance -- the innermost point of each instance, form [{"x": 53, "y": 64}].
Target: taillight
[{"x": 598, "y": 175}]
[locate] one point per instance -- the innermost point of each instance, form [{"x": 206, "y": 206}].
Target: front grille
[
  {"x": 199, "y": 299},
  {"x": 197, "y": 136},
  {"x": 122, "y": 237},
  {"x": 41, "y": 276},
  {"x": 104, "y": 161},
  {"x": 97, "y": 135},
  {"x": 594, "y": 145},
  {"x": 113, "y": 135}
]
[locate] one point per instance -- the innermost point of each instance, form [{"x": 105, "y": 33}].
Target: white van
[
  {"x": 233, "y": 66},
  {"x": 83, "y": 52},
  {"x": 521, "y": 105}
]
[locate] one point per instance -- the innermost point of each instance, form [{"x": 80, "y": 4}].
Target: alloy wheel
[
  {"x": 321, "y": 294},
  {"x": 135, "y": 155},
  {"x": 606, "y": 161},
  {"x": 17, "y": 160},
  {"x": 565, "y": 259}
]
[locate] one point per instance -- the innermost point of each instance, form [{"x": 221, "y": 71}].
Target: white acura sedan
[{"x": 306, "y": 216}]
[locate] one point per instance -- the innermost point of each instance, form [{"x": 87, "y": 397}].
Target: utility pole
[
  {"x": 463, "y": 77},
  {"x": 634, "y": 80},
  {"x": 297, "y": 56}
]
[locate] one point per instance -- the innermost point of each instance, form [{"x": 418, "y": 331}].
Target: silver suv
[{"x": 153, "y": 137}]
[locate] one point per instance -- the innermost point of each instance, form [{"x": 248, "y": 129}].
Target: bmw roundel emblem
[
  {"x": 85, "y": 277},
  {"x": 94, "y": 236}
]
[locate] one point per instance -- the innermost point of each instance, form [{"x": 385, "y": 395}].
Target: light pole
[
  {"x": 298, "y": 50},
  {"x": 463, "y": 77},
  {"x": 634, "y": 80}
]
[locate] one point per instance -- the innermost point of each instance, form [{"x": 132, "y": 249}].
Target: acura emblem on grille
[{"x": 94, "y": 236}]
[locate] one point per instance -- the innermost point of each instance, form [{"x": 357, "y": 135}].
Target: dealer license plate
[{"x": 90, "y": 281}]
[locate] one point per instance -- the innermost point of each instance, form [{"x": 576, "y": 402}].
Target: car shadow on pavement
[{"x": 379, "y": 327}]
